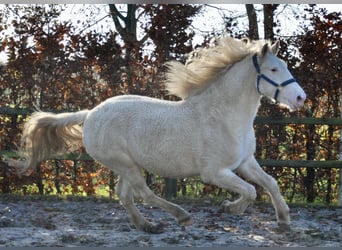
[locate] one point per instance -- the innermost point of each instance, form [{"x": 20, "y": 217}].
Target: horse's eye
[{"x": 274, "y": 69}]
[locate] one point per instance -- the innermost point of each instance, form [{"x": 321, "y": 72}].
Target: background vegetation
[{"x": 56, "y": 65}]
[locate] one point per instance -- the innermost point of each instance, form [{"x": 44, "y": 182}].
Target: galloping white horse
[{"x": 208, "y": 133}]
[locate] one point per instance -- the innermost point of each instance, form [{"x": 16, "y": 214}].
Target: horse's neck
[{"x": 234, "y": 94}]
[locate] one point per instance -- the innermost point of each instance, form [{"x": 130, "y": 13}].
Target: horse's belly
[
  {"x": 172, "y": 168},
  {"x": 168, "y": 153}
]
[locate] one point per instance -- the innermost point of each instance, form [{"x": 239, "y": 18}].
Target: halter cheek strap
[{"x": 270, "y": 81}]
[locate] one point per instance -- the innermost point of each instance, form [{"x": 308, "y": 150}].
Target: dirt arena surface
[{"x": 95, "y": 222}]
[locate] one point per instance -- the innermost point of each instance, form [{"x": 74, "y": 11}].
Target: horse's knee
[{"x": 250, "y": 193}]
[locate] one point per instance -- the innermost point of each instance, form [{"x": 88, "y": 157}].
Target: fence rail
[
  {"x": 300, "y": 163},
  {"x": 262, "y": 162},
  {"x": 328, "y": 164},
  {"x": 298, "y": 120}
]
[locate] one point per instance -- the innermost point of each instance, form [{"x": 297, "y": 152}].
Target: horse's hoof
[
  {"x": 229, "y": 208},
  {"x": 235, "y": 207},
  {"x": 187, "y": 221},
  {"x": 153, "y": 229},
  {"x": 283, "y": 228}
]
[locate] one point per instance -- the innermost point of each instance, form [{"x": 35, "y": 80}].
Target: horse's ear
[
  {"x": 264, "y": 50},
  {"x": 245, "y": 40},
  {"x": 275, "y": 47}
]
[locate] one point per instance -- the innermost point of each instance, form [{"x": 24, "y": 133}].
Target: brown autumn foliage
[
  {"x": 50, "y": 67},
  {"x": 53, "y": 68}
]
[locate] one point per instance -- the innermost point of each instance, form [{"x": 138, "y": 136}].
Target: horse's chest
[{"x": 229, "y": 147}]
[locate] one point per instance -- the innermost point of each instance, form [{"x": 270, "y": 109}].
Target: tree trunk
[
  {"x": 127, "y": 29},
  {"x": 268, "y": 20},
  {"x": 253, "y": 31}
]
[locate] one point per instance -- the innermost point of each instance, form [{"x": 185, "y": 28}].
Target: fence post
[
  {"x": 111, "y": 184},
  {"x": 5, "y": 180},
  {"x": 340, "y": 170},
  {"x": 40, "y": 180},
  {"x": 170, "y": 188}
]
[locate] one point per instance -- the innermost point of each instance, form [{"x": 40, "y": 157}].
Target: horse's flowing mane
[{"x": 205, "y": 64}]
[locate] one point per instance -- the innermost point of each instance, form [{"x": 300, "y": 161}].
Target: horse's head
[{"x": 274, "y": 79}]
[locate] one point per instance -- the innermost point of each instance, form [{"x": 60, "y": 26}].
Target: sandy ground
[{"x": 100, "y": 222}]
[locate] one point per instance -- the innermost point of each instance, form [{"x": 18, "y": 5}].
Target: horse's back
[{"x": 113, "y": 118}]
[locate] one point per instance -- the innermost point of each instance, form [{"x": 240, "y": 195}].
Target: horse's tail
[{"x": 46, "y": 135}]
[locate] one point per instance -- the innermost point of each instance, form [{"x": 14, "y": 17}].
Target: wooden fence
[
  {"x": 305, "y": 121},
  {"x": 170, "y": 187}
]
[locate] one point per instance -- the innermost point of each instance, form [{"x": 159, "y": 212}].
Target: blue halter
[{"x": 260, "y": 75}]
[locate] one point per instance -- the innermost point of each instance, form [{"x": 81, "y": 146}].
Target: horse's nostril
[{"x": 299, "y": 98}]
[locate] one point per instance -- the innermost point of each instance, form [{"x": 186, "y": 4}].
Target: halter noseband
[{"x": 260, "y": 75}]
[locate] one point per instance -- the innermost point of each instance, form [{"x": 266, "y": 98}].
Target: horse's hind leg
[
  {"x": 125, "y": 193},
  {"x": 142, "y": 190},
  {"x": 182, "y": 216}
]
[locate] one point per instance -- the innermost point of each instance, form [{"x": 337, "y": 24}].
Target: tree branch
[
  {"x": 115, "y": 14},
  {"x": 96, "y": 22},
  {"x": 114, "y": 11}
]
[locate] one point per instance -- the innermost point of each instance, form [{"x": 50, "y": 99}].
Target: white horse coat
[{"x": 208, "y": 133}]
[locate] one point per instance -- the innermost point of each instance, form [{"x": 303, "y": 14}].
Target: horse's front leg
[
  {"x": 251, "y": 170},
  {"x": 227, "y": 179}
]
